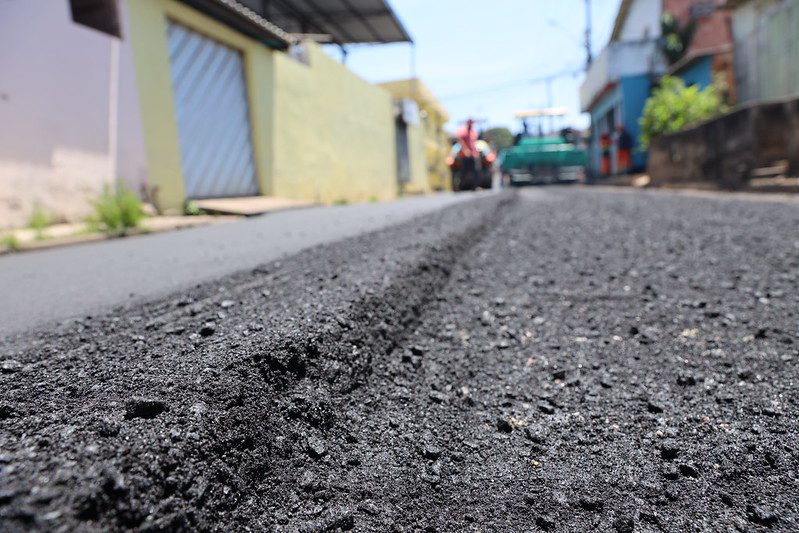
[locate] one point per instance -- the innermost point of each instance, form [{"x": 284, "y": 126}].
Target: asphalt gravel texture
[{"x": 543, "y": 360}]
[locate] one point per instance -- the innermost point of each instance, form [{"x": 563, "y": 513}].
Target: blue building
[{"x": 618, "y": 83}]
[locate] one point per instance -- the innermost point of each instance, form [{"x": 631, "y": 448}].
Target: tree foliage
[
  {"x": 676, "y": 38},
  {"x": 673, "y": 107},
  {"x": 499, "y": 138}
]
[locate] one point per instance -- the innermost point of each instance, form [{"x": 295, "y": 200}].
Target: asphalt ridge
[
  {"x": 166, "y": 416},
  {"x": 550, "y": 360}
]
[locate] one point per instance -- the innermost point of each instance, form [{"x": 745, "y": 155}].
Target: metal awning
[
  {"x": 344, "y": 21},
  {"x": 546, "y": 112},
  {"x": 241, "y": 17}
]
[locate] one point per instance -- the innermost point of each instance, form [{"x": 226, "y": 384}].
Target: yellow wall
[
  {"x": 432, "y": 146},
  {"x": 419, "y": 184},
  {"x": 319, "y": 132},
  {"x": 437, "y": 148},
  {"x": 334, "y": 132}
]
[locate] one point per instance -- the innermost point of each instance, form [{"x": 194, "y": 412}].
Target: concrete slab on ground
[{"x": 249, "y": 206}]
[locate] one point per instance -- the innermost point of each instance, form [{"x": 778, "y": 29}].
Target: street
[
  {"x": 70, "y": 282},
  {"x": 541, "y": 359}
]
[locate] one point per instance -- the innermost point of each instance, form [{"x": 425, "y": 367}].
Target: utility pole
[
  {"x": 589, "y": 57},
  {"x": 550, "y": 103}
]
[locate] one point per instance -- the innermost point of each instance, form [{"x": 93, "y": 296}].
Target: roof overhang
[
  {"x": 621, "y": 18},
  {"x": 243, "y": 19},
  {"x": 338, "y": 21},
  {"x": 606, "y": 90},
  {"x": 691, "y": 57},
  {"x": 545, "y": 112}
]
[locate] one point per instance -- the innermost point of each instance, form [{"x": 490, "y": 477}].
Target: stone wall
[{"x": 725, "y": 150}]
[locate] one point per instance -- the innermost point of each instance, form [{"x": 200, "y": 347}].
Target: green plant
[
  {"x": 117, "y": 210},
  {"x": 39, "y": 220},
  {"x": 341, "y": 201},
  {"x": 192, "y": 209},
  {"x": 373, "y": 199},
  {"x": 499, "y": 138},
  {"x": 674, "y": 107},
  {"x": 676, "y": 38},
  {"x": 11, "y": 242}
]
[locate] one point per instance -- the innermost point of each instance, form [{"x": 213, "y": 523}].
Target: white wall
[
  {"x": 54, "y": 93},
  {"x": 618, "y": 60},
  {"x": 643, "y": 21}
]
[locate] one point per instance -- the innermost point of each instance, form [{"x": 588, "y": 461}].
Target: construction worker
[
  {"x": 605, "y": 143},
  {"x": 468, "y": 158},
  {"x": 625, "y": 144}
]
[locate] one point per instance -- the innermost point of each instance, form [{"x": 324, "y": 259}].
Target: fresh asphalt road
[
  {"x": 550, "y": 359},
  {"x": 42, "y": 287}
]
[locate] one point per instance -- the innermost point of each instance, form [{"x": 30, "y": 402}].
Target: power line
[{"x": 515, "y": 83}]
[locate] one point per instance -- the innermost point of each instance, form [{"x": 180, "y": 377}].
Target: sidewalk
[
  {"x": 79, "y": 232},
  {"x": 51, "y": 285}
]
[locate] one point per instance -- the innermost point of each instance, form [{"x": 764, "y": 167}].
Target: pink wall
[{"x": 54, "y": 91}]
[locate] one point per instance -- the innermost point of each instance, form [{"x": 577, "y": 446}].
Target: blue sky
[{"x": 479, "y": 57}]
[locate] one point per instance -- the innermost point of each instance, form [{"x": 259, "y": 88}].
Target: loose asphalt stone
[{"x": 300, "y": 412}]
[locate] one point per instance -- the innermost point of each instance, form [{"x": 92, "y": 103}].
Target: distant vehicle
[
  {"x": 544, "y": 159},
  {"x": 485, "y": 168}
]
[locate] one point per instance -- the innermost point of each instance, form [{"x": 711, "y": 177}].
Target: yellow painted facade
[
  {"x": 434, "y": 139},
  {"x": 418, "y": 184},
  {"x": 319, "y": 132},
  {"x": 333, "y": 132}
]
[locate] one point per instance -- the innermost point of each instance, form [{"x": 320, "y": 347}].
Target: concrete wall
[
  {"x": 433, "y": 173},
  {"x": 725, "y": 150},
  {"x": 643, "y": 21},
  {"x": 334, "y": 135},
  {"x": 54, "y": 113},
  {"x": 437, "y": 147},
  {"x": 766, "y": 34}
]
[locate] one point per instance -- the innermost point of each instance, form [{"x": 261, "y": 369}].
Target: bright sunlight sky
[{"x": 481, "y": 59}]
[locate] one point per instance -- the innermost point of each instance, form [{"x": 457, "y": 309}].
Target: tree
[
  {"x": 676, "y": 38},
  {"x": 499, "y": 138},
  {"x": 673, "y": 107}
]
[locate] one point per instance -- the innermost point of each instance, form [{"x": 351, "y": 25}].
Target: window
[{"x": 101, "y": 15}]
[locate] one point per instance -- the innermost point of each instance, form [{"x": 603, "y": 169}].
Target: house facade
[
  {"x": 184, "y": 99},
  {"x": 619, "y": 82},
  {"x": 620, "y": 79},
  {"x": 708, "y": 58},
  {"x": 433, "y": 144}
]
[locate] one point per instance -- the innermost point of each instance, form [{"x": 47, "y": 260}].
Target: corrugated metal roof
[
  {"x": 244, "y": 19},
  {"x": 345, "y": 21}
]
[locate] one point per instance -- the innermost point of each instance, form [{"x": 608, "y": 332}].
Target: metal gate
[
  {"x": 212, "y": 116},
  {"x": 765, "y": 56}
]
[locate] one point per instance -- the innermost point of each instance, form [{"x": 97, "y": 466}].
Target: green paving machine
[{"x": 558, "y": 157}]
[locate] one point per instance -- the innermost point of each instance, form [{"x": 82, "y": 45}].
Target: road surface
[
  {"x": 543, "y": 360},
  {"x": 57, "y": 284}
]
